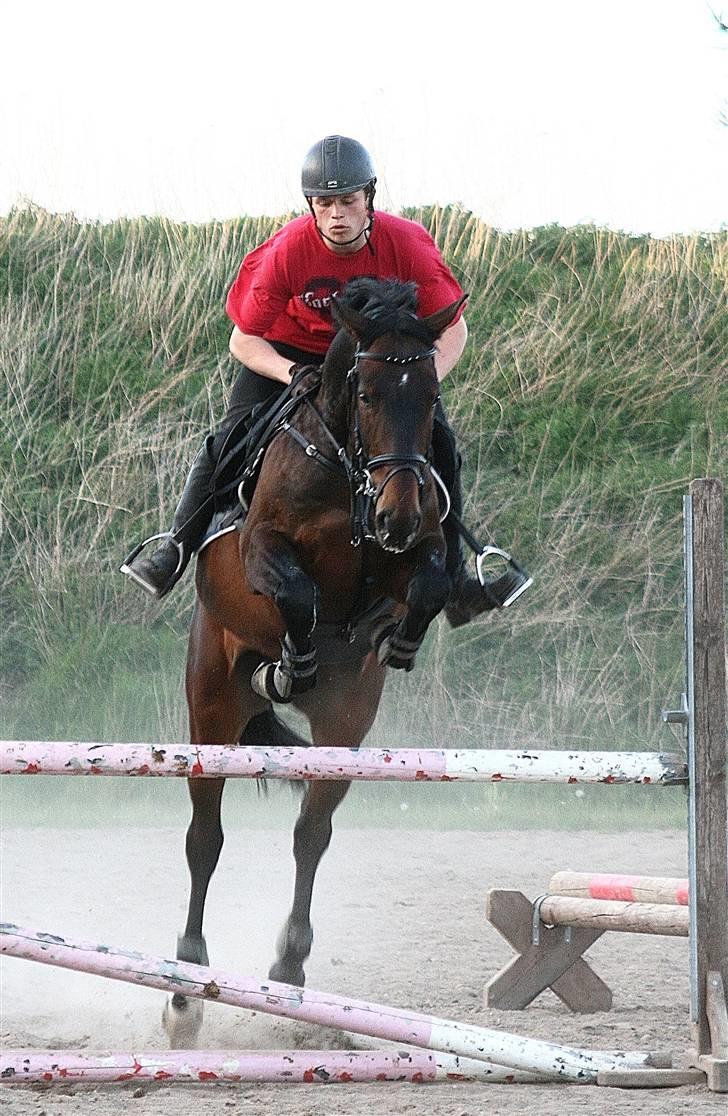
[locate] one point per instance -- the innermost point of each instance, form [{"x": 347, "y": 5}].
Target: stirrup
[
  {"x": 127, "y": 568},
  {"x": 509, "y": 586}
]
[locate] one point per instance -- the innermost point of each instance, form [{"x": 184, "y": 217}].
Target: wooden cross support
[{"x": 554, "y": 962}]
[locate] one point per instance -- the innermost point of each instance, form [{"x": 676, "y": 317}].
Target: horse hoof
[
  {"x": 303, "y": 685},
  {"x": 395, "y": 653},
  {"x": 287, "y": 974},
  {"x": 265, "y": 680},
  {"x": 391, "y": 660},
  {"x": 182, "y": 1020}
]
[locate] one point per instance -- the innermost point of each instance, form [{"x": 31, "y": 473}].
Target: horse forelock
[{"x": 388, "y": 306}]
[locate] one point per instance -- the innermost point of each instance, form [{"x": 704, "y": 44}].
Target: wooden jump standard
[{"x": 551, "y": 935}]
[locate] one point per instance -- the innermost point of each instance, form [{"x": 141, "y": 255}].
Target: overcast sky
[{"x": 525, "y": 111}]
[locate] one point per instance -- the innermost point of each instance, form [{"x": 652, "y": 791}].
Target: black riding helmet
[{"x": 337, "y": 165}]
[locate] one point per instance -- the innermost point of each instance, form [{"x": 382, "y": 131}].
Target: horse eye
[
  {"x": 365, "y": 399},
  {"x": 436, "y": 401}
]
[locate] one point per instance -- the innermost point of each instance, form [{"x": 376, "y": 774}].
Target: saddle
[{"x": 241, "y": 457}]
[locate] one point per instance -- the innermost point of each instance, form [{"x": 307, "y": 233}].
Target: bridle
[
  {"x": 367, "y": 493},
  {"x": 364, "y": 493}
]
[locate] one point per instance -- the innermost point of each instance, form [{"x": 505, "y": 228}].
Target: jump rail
[
  {"x": 610, "y": 914},
  {"x": 375, "y": 1020},
  {"x": 326, "y": 1067},
  {"x": 210, "y": 761},
  {"x": 628, "y": 889}
]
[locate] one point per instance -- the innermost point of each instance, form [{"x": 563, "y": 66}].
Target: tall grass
[{"x": 594, "y": 387}]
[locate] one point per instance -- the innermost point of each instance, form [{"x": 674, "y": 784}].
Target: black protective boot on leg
[{"x": 160, "y": 571}]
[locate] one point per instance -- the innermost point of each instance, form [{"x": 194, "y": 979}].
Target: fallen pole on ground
[
  {"x": 376, "y": 1020},
  {"x": 326, "y": 1067}
]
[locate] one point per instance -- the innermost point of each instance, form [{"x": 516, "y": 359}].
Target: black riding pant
[{"x": 250, "y": 390}]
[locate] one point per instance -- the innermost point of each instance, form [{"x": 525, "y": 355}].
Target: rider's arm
[
  {"x": 449, "y": 347},
  {"x": 260, "y": 356}
]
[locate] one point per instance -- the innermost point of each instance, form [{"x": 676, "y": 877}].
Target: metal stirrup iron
[{"x": 514, "y": 583}]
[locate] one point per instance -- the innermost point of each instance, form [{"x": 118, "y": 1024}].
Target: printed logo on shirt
[{"x": 318, "y": 292}]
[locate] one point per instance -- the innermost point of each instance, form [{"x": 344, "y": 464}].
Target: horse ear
[
  {"x": 346, "y": 317},
  {"x": 438, "y": 322}
]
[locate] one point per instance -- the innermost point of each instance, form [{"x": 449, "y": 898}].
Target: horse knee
[
  {"x": 297, "y": 600},
  {"x": 429, "y": 591}
]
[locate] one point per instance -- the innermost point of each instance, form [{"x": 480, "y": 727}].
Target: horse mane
[{"x": 388, "y": 305}]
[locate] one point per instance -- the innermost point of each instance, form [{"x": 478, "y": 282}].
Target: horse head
[{"x": 392, "y": 394}]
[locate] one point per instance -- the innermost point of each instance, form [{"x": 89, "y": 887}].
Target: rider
[{"x": 280, "y": 306}]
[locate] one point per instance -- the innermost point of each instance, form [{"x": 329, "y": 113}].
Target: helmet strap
[{"x": 367, "y": 231}]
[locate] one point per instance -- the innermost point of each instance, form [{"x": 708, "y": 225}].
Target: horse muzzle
[
  {"x": 396, "y": 532},
  {"x": 397, "y": 508}
]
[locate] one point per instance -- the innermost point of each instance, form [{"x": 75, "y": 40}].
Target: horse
[{"x": 334, "y": 578}]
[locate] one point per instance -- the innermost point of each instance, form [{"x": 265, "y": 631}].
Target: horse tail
[{"x": 267, "y": 730}]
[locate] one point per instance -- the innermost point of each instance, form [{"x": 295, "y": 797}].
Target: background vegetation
[{"x": 593, "y": 389}]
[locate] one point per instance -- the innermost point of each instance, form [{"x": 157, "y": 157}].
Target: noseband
[{"x": 365, "y": 493}]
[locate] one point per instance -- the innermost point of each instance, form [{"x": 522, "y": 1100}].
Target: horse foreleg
[
  {"x": 182, "y": 1018},
  {"x": 340, "y": 712},
  {"x": 311, "y": 837},
  {"x": 396, "y": 643},
  {"x": 273, "y": 569},
  {"x": 217, "y": 716}
]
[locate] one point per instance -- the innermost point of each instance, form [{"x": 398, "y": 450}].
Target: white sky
[{"x": 525, "y": 111}]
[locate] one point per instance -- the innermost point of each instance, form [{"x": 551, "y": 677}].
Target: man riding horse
[{"x": 280, "y": 304}]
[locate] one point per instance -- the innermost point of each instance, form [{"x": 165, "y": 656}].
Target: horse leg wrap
[
  {"x": 301, "y": 669},
  {"x": 391, "y": 649}
]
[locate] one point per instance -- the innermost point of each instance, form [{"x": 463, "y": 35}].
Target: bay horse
[{"x": 335, "y": 576}]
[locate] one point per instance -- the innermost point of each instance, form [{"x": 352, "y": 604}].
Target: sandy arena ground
[{"x": 398, "y": 918}]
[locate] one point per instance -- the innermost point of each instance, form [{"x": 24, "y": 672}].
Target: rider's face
[{"x": 343, "y": 220}]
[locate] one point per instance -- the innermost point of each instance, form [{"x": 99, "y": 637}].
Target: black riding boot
[
  {"x": 160, "y": 571},
  {"x": 469, "y": 597}
]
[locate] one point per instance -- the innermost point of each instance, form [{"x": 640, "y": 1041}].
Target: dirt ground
[{"x": 398, "y": 918}]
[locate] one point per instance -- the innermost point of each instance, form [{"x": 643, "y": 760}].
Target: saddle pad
[{"x": 222, "y": 523}]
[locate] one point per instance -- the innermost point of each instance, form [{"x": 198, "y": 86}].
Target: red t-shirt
[{"x": 284, "y": 287}]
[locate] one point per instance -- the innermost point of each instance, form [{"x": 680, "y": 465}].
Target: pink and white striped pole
[
  {"x": 443, "y": 765},
  {"x": 627, "y": 889},
  {"x": 379, "y": 1021}
]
